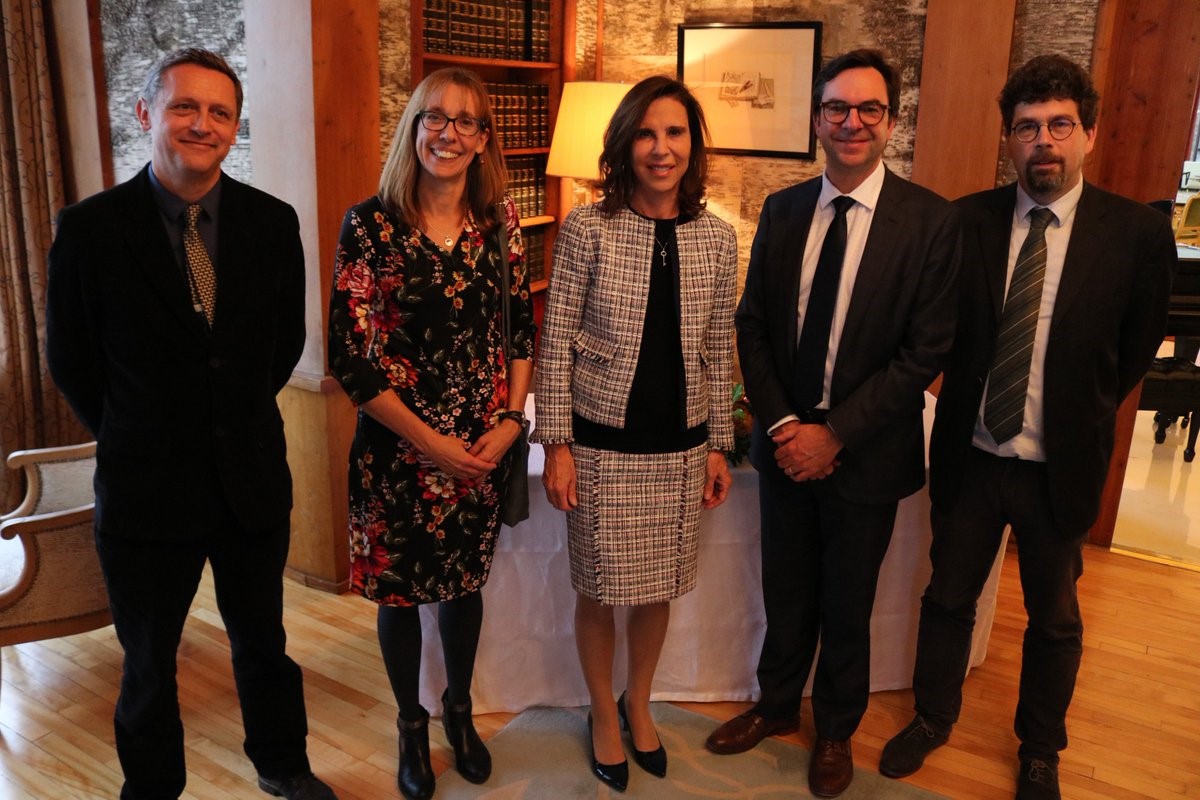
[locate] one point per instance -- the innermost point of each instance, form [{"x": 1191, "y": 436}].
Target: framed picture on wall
[{"x": 754, "y": 81}]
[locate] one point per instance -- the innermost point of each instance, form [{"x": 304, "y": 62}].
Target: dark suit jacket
[
  {"x": 181, "y": 416},
  {"x": 1109, "y": 318},
  {"x": 898, "y": 329}
]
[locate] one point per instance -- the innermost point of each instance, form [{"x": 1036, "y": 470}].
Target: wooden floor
[{"x": 1134, "y": 725}]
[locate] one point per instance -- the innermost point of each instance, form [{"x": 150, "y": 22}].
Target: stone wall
[
  {"x": 136, "y": 33},
  {"x": 638, "y": 39}
]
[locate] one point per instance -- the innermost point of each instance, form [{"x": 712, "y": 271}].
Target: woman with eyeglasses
[
  {"x": 634, "y": 399},
  {"x": 416, "y": 340}
]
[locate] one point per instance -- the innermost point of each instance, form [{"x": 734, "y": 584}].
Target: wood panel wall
[
  {"x": 1147, "y": 70},
  {"x": 967, "y": 48}
]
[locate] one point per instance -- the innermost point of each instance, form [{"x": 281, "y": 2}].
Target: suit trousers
[
  {"x": 821, "y": 556},
  {"x": 996, "y": 492},
  {"x": 151, "y": 585}
]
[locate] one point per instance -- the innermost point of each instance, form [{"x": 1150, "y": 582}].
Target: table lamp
[{"x": 583, "y": 115}]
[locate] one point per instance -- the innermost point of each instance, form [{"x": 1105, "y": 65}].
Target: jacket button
[{"x": 214, "y": 362}]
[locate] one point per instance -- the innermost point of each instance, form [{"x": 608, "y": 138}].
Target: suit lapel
[
  {"x": 233, "y": 285},
  {"x": 791, "y": 253},
  {"x": 142, "y": 227},
  {"x": 1083, "y": 249},
  {"x": 994, "y": 234},
  {"x": 878, "y": 253}
]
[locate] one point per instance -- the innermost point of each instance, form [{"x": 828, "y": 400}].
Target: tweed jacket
[{"x": 595, "y": 309}]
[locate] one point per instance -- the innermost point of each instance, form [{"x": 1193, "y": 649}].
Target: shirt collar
[
  {"x": 866, "y": 193},
  {"x": 172, "y": 205},
  {"x": 1063, "y": 208}
]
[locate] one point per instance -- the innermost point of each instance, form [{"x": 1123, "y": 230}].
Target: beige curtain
[{"x": 32, "y": 412}]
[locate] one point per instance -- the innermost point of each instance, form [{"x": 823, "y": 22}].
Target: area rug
[{"x": 543, "y": 755}]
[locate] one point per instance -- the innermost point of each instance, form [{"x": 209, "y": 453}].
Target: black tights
[{"x": 399, "y": 627}]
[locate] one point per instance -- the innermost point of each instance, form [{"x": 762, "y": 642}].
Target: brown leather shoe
[
  {"x": 745, "y": 731},
  {"x": 831, "y": 767}
]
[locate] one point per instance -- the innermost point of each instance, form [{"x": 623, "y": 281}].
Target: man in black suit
[
  {"x": 175, "y": 315},
  {"x": 1025, "y": 418},
  {"x": 847, "y": 313}
]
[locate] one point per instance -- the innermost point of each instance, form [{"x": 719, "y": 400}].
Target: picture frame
[{"x": 754, "y": 82}]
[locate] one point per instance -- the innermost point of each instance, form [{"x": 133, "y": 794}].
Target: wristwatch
[{"x": 516, "y": 416}]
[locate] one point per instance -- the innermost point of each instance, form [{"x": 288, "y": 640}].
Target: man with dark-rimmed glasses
[
  {"x": 1064, "y": 303},
  {"x": 847, "y": 314}
]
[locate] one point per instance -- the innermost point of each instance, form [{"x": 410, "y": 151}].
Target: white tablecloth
[{"x": 527, "y": 649}]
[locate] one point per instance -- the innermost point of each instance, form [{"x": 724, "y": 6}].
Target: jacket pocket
[{"x": 593, "y": 348}]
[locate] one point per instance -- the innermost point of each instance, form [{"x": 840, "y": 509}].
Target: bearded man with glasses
[
  {"x": 847, "y": 314},
  {"x": 1063, "y": 305}
]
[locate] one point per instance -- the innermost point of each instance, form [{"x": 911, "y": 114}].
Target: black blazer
[
  {"x": 1109, "y": 318},
  {"x": 898, "y": 329},
  {"x": 181, "y": 416}
]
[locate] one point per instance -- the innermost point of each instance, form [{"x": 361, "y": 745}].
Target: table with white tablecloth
[{"x": 527, "y": 651}]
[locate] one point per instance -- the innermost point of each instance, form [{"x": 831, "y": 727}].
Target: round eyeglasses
[
  {"x": 1059, "y": 128},
  {"x": 836, "y": 112},
  {"x": 435, "y": 121}
]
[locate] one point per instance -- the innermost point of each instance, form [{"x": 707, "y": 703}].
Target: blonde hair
[{"x": 486, "y": 175}]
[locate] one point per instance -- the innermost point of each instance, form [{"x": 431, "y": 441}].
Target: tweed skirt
[{"x": 634, "y": 536}]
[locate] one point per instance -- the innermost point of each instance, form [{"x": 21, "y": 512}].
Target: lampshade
[{"x": 583, "y": 115}]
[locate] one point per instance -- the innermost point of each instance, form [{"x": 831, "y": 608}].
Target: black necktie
[
  {"x": 1008, "y": 379},
  {"x": 818, "y": 314}
]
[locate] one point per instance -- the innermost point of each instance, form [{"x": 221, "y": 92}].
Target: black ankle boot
[
  {"x": 415, "y": 777},
  {"x": 471, "y": 758}
]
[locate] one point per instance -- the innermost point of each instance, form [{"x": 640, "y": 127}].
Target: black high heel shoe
[
  {"x": 615, "y": 775},
  {"x": 653, "y": 761}
]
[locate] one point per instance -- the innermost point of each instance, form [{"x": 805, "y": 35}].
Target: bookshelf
[{"x": 523, "y": 50}]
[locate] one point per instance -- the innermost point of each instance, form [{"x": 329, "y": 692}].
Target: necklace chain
[
  {"x": 662, "y": 250},
  {"x": 448, "y": 240}
]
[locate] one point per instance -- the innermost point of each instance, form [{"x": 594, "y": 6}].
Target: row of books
[
  {"x": 521, "y": 114},
  {"x": 535, "y": 253},
  {"x": 502, "y": 29},
  {"x": 527, "y": 185}
]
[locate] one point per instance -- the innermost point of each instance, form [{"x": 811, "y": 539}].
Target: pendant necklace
[
  {"x": 662, "y": 250},
  {"x": 449, "y": 239}
]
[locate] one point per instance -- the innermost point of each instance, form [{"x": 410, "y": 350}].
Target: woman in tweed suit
[{"x": 633, "y": 398}]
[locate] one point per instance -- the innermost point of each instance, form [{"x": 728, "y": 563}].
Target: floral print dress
[{"x": 408, "y": 317}]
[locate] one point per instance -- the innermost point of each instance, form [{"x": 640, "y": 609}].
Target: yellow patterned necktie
[{"x": 202, "y": 277}]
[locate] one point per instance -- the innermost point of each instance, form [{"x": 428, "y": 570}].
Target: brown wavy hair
[
  {"x": 486, "y": 175},
  {"x": 617, "y": 180},
  {"x": 1050, "y": 77}
]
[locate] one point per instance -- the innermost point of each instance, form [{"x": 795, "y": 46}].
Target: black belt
[{"x": 813, "y": 416}]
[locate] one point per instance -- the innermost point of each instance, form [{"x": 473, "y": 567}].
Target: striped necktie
[
  {"x": 1008, "y": 379},
  {"x": 202, "y": 277}
]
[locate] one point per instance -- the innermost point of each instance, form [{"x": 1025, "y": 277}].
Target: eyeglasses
[
  {"x": 1059, "y": 128},
  {"x": 871, "y": 112},
  {"x": 466, "y": 126}
]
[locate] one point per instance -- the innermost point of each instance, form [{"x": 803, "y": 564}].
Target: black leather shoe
[
  {"x": 415, "y": 778},
  {"x": 831, "y": 767},
  {"x": 906, "y": 751},
  {"x": 304, "y": 786},
  {"x": 1038, "y": 780},
  {"x": 615, "y": 775},
  {"x": 471, "y": 757},
  {"x": 745, "y": 731},
  {"x": 653, "y": 761}
]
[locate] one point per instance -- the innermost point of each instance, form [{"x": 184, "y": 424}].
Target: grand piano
[{"x": 1172, "y": 386}]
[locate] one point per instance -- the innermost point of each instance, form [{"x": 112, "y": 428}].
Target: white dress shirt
[
  {"x": 1029, "y": 443},
  {"x": 858, "y": 225}
]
